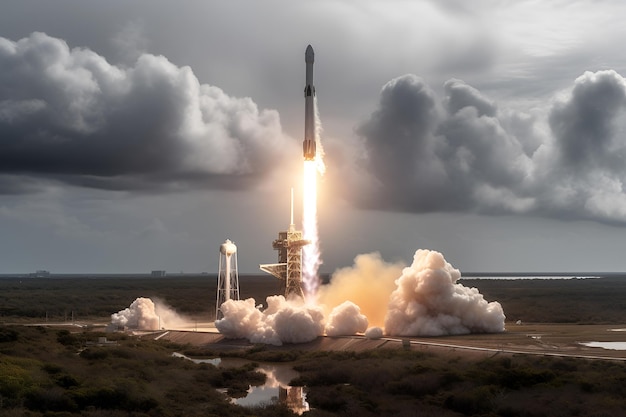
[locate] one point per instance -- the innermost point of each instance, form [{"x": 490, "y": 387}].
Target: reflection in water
[
  {"x": 214, "y": 361},
  {"x": 275, "y": 389},
  {"x": 294, "y": 398}
]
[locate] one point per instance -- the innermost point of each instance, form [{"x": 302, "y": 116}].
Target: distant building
[
  {"x": 158, "y": 273},
  {"x": 40, "y": 274},
  {"x": 102, "y": 341}
]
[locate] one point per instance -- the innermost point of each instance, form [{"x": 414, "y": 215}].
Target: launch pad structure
[
  {"x": 289, "y": 267},
  {"x": 289, "y": 244}
]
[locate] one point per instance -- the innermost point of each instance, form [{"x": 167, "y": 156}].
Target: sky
[{"x": 139, "y": 135}]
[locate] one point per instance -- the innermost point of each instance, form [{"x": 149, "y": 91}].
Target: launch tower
[
  {"x": 289, "y": 267},
  {"x": 227, "y": 277}
]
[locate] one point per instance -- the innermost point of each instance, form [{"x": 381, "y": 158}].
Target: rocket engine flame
[
  {"x": 311, "y": 259},
  {"x": 311, "y": 252}
]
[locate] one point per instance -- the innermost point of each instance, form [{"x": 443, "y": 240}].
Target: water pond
[
  {"x": 275, "y": 389},
  {"x": 606, "y": 345}
]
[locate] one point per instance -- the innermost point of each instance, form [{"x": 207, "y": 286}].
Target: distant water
[{"x": 474, "y": 275}]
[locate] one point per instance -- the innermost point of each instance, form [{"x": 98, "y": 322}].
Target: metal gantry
[{"x": 289, "y": 267}]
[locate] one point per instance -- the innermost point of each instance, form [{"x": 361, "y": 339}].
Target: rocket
[{"x": 308, "y": 146}]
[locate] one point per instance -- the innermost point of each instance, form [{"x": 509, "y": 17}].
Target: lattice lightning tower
[{"x": 289, "y": 267}]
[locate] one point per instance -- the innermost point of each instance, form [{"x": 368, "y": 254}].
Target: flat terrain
[
  {"x": 51, "y": 366},
  {"x": 543, "y": 339},
  {"x": 555, "y": 315},
  {"x": 90, "y": 298},
  {"x": 580, "y": 301},
  {"x": 575, "y": 301}
]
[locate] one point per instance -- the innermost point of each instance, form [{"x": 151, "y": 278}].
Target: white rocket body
[{"x": 308, "y": 146}]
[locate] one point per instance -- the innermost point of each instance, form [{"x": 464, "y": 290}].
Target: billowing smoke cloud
[
  {"x": 374, "y": 333},
  {"x": 421, "y": 300},
  {"x": 283, "y": 321},
  {"x": 346, "y": 319},
  {"x": 461, "y": 152},
  {"x": 68, "y": 115},
  {"x": 368, "y": 284},
  {"x": 145, "y": 314},
  {"x": 429, "y": 302}
]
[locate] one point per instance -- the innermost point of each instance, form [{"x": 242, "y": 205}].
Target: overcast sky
[{"x": 139, "y": 135}]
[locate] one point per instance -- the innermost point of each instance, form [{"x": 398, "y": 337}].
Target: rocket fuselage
[{"x": 308, "y": 146}]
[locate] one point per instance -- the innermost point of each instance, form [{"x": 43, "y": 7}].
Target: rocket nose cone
[{"x": 309, "y": 55}]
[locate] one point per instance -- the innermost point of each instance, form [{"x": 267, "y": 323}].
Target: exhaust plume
[
  {"x": 428, "y": 301},
  {"x": 374, "y": 333},
  {"x": 311, "y": 254},
  {"x": 145, "y": 314},
  {"x": 346, "y": 319},
  {"x": 368, "y": 284},
  {"x": 284, "y": 321},
  {"x": 423, "y": 299}
]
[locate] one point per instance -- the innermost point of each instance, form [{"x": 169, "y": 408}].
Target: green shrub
[
  {"x": 66, "y": 338},
  {"x": 120, "y": 397},
  {"x": 472, "y": 402},
  {"x": 415, "y": 385},
  {"x": 67, "y": 381},
  {"x": 518, "y": 378},
  {"x": 51, "y": 368},
  {"x": 14, "y": 383},
  {"x": 94, "y": 353},
  {"x": 40, "y": 399},
  {"x": 8, "y": 335},
  {"x": 329, "y": 399}
]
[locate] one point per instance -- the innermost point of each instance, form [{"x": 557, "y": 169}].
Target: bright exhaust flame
[
  {"x": 311, "y": 255},
  {"x": 311, "y": 252}
]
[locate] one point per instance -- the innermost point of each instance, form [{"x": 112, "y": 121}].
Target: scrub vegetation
[
  {"x": 86, "y": 298},
  {"x": 574, "y": 301},
  {"x": 399, "y": 383},
  {"x": 58, "y": 372},
  {"x": 579, "y": 301}
]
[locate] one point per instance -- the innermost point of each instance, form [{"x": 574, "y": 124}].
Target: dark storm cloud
[
  {"x": 402, "y": 148},
  {"x": 586, "y": 126},
  {"x": 460, "y": 95},
  {"x": 69, "y": 115},
  {"x": 461, "y": 153}
]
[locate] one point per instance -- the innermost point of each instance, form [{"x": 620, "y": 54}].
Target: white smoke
[
  {"x": 145, "y": 314},
  {"x": 374, "y": 333},
  {"x": 429, "y": 302},
  {"x": 368, "y": 284},
  {"x": 423, "y": 299},
  {"x": 346, "y": 319},
  {"x": 284, "y": 321}
]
